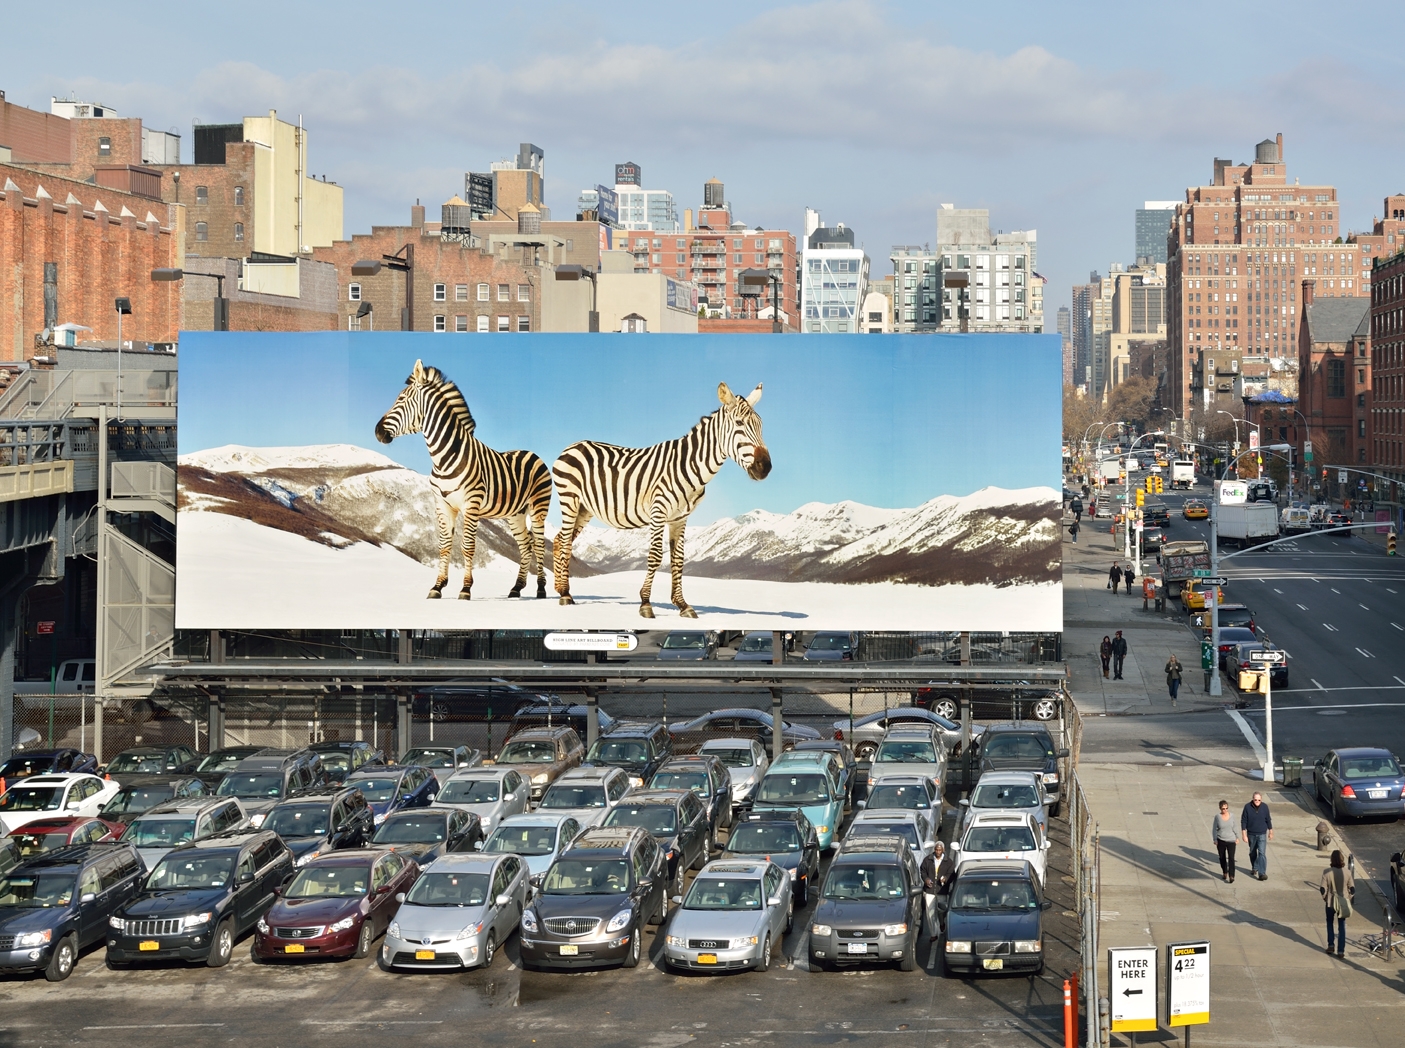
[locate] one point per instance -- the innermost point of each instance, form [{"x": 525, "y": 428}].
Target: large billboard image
[{"x": 344, "y": 480}]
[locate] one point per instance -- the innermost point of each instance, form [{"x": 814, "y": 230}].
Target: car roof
[
  {"x": 351, "y": 857},
  {"x": 1007, "y": 778},
  {"x": 886, "y": 844},
  {"x": 191, "y": 806},
  {"x": 886, "y": 815},
  {"x": 483, "y": 771},
  {"x": 901, "y": 778},
  {"x": 535, "y": 818},
  {"x": 464, "y": 862},
  {"x": 1013, "y": 726},
  {"x": 385, "y": 771},
  {"x": 319, "y": 747},
  {"x": 316, "y": 793},
  {"x": 737, "y": 867},
  {"x": 637, "y": 797},
  {"x": 608, "y": 838},
  {"x": 230, "y": 840},
  {"x": 76, "y": 855},
  {"x": 1363, "y": 751},
  {"x": 1000, "y": 818},
  {"x": 731, "y": 742},
  {"x": 542, "y": 731},
  {"x": 684, "y": 759},
  {"x": 268, "y": 760},
  {"x": 633, "y": 727},
  {"x": 588, "y": 774},
  {"x": 406, "y": 812},
  {"x": 773, "y": 815},
  {"x": 147, "y": 750},
  {"x": 985, "y": 870},
  {"x": 56, "y": 778}
]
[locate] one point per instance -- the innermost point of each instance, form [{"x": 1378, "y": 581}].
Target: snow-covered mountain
[{"x": 340, "y": 494}]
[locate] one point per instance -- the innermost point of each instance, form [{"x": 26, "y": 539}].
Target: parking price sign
[
  {"x": 1187, "y": 983},
  {"x": 1131, "y": 988}
]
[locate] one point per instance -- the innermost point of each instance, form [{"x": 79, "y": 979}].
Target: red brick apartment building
[{"x": 1388, "y": 370}]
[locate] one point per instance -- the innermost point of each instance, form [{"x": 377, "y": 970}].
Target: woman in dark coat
[{"x": 1105, "y": 652}]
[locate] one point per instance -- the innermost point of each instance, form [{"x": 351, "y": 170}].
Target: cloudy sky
[{"x": 1053, "y": 116}]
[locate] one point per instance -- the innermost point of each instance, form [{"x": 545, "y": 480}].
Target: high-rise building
[
  {"x": 1081, "y": 330},
  {"x": 1387, "y": 236},
  {"x": 989, "y": 277},
  {"x": 1063, "y": 322},
  {"x": 637, "y": 208},
  {"x": 834, "y": 282},
  {"x": 1153, "y": 223},
  {"x": 1387, "y": 395},
  {"x": 1237, "y": 250},
  {"x": 1138, "y": 335}
]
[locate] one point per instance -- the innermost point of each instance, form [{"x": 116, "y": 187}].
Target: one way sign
[{"x": 1132, "y": 988}]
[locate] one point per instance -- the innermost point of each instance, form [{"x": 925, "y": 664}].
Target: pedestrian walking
[
  {"x": 1119, "y": 654},
  {"x": 1073, "y": 531},
  {"x": 1338, "y": 890},
  {"x": 1223, "y": 833},
  {"x": 1114, "y": 577},
  {"x": 1105, "y": 652},
  {"x": 1129, "y": 576},
  {"x": 1173, "y": 679},
  {"x": 937, "y": 870},
  {"x": 1256, "y": 827}
]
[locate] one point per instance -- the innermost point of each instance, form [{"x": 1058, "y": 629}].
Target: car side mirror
[
  {"x": 87, "y": 897},
  {"x": 861, "y": 804},
  {"x": 399, "y": 896},
  {"x": 774, "y": 900},
  {"x": 1062, "y": 753},
  {"x": 503, "y": 900},
  {"x": 245, "y": 877},
  {"x": 477, "y": 845},
  {"x": 1046, "y": 904},
  {"x": 943, "y": 904},
  {"x": 1046, "y": 845},
  {"x": 964, "y": 802},
  {"x": 678, "y": 898},
  {"x": 955, "y": 847},
  {"x": 277, "y": 889},
  {"x": 645, "y": 885}
]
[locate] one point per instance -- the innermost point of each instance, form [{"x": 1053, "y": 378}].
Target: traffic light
[
  {"x": 1141, "y": 497},
  {"x": 1149, "y": 483}
]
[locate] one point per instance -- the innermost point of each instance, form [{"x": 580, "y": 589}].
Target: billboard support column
[
  {"x": 402, "y": 723},
  {"x": 777, "y": 648},
  {"x": 403, "y": 653},
  {"x": 592, "y": 717},
  {"x": 777, "y": 742},
  {"x": 966, "y": 736}
]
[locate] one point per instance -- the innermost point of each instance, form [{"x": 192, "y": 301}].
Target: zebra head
[
  {"x": 407, "y": 414},
  {"x": 742, "y": 431}
]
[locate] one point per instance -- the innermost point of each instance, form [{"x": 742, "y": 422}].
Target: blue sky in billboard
[{"x": 886, "y": 421}]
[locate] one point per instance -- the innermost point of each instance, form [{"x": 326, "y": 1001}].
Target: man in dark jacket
[
  {"x": 1256, "y": 826},
  {"x": 937, "y": 872},
  {"x": 1114, "y": 577},
  {"x": 1119, "y": 653}
]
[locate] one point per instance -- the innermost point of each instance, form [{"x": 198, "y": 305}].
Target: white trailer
[
  {"x": 1183, "y": 473},
  {"x": 1247, "y": 523}
]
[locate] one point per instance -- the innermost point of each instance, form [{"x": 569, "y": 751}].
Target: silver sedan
[
  {"x": 734, "y": 916},
  {"x": 746, "y": 762},
  {"x": 865, "y": 733},
  {"x": 458, "y": 913}
]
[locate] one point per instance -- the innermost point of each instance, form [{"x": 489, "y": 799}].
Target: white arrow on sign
[
  {"x": 1132, "y": 988},
  {"x": 1213, "y": 580},
  {"x": 1268, "y": 656}
]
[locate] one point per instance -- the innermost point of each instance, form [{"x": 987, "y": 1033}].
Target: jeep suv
[
  {"x": 322, "y": 820},
  {"x": 638, "y": 747},
  {"x": 1024, "y": 747},
  {"x": 265, "y": 778}
]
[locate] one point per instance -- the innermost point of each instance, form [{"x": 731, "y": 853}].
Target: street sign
[
  {"x": 1131, "y": 988},
  {"x": 1268, "y": 656},
  {"x": 1341, "y": 476},
  {"x": 43, "y": 628},
  {"x": 1187, "y": 984},
  {"x": 590, "y": 641},
  {"x": 1212, "y": 580}
]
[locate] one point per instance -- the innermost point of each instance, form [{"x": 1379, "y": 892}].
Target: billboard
[
  {"x": 607, "y": 205},
  {"x": 342, "y": 480},
  {"x": 479, "y": 189}
]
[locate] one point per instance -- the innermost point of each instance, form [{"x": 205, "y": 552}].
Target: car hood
[
  {"x": 1015, "y": 763},
  {"x": 682, "y": 654},
  {"x": 826, "y": 655},
  {"x": 539, "y": 864},
  {"x": 487, "y": 813},
  {"x": 301, "y": 846},
  {"x": 1039, "y": 814},
  {"x": 14, "y": 920},
  {"x": 861, "y": 912},
  {"x": 382, "y": 807},
  {"x": 423, "y": 853},
  {"x": 585, "y": 816},
  {"x": 174, "y": 903},
  {"x": 604, "y": 906},
  {"x": 993, "y": 924},
  {"x": 311, "y": 911},
  {"x": 151, "y": 856},
  {"x": 788, "y": 861},
  {"x": 436, "y": 922},
  {"x": 716, "y": 924},
  {"x": 753, "y": 656},
  {"x": 257, "y": 805}
]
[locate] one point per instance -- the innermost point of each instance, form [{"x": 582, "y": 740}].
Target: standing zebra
[
  {"x": 471, "y": 478},
  {"x": 650, "y": 487}
]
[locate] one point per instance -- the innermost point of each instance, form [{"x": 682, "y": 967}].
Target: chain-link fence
[{"x": 1086, "y": 860}]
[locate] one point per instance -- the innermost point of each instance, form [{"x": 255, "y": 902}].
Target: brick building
[
  {"x": 1388, "y": 372},
  {"x": 1334, "y": 376},
  {"x": 1235, "y": 254},
  {"x": 1387, "y": 235}
]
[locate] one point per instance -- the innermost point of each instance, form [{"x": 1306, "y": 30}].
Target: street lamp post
[
  {"x": 402, "y": 261},
  {"x": 575, "y": 272},
  {"x": 221, "y": 304}
]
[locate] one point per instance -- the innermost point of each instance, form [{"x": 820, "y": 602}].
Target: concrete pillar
[
  {"x": 777, "y": 648},
  {"x": 402, "y": 724},
  {"x": 592, "y": 717},
  {"x": 215, "y": 725},
  {"x": 777, "y": 742},
  {"x": 9, "y": 607}
]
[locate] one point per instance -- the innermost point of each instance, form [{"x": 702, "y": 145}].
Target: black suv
[
  {"x": 200, "y": 899},
  {"x": 787, "y": 838},
  {"x": 678, "y": 821},
  {"x": 871, "y": 906},
  {"x": 1023, "y": 747},
  {"x": 152, "y": 760},
  {"x": 266, "y": 777},
  {"x": 340, "y": 759},
  {"x": 595, "y": 900},
  {"x": 1156, "y": 513},
  {"x": 141, "y": 793},
  {"x": 708, "y": 777},
  {"x": 53, "y": 907},
  {"x": 638, "y": 747},
  {"x": 323, "y": 819}
]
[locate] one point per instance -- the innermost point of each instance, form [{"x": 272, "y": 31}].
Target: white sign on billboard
[
  {"x": 1187, "y": 983},
  {"x": 1131, "y": 988},
  {"x": 590, "y": 641}
]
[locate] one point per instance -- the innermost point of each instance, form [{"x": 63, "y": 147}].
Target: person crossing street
[{"x": 1119, "y": 654}]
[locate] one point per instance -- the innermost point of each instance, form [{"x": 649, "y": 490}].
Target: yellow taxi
[
  {"x": 1193, "y": 597},
  {"x": 1194, "y": 509}
]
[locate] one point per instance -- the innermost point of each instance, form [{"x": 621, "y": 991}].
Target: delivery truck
[
  {"x": 1183, "y": 474},
  {"x": 1247, "y": 523}
]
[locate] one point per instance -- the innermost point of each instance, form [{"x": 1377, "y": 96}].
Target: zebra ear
[
  {"x": 754, "y": 397},
  {"x": 724, "y": 394},
  {"x": 418, "y": 373}
]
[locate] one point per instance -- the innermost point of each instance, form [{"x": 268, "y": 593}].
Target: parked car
[
  {"x": 388, "y": 790},
  {"x": 809, "y": 786},
  {"x": 1193, "y": 595},
  {"x": 688, "y": 646},
  {"x": 492, "y": 793},
  {"x": 538, "y": 838},
  {"x": 1002, "y": 837},
  {"x": 871, "y": 906},
  {"x": 755, "y": 647},
  {"x": 263, "y": 779},
  {"x": 154, "y": 833},
  {"x": 200, "y": 900},
  {"x": 340, "y": 759},
  {"x": 555, "y": 714},
  {"x": 1230, "y": 639},
  {"x": 846, "y": 764},
  {"x": 1238, "y": 661},
  {"x": 915, "y": 827},
  {"x": 1359, "y": 781},
  {"x": 336, "y": 906},
  {"x": 734, "y": 916},
  {"x": 585, "y": 794},
  {"x": 54, "y": 906},
  {"x": 46, "y": 762},
  {"x": 746, "y": 761},
  {"x": 443, "y": 761},
  {"x": 829, "y": 646},
  {"x": 865, "y": 733},
  {"x": 213, "y": 767},
  {"x": 140, "y": 794},
  {"x": 912, "y": 749},
  {"x": 636, "y": 747},
  {"x": 542, "y": 754},
  {"x": 1237, "y": 615},
  {"x": 9, "y": 854},
  {"x": 786, "y": 838},
  {"x": 457, "y": 914},
  {"x": 1021, "y": 701},
  {"x": 78, "y": 793},
  {"x": 994, "y": 920},
  {"x": 1024, "y": 747},
  {"x": 317, "y": 822},
  {"x": 152, "y": 760},
  {"x": 707, "y": 777},
  {"x": 734, "y": 722},
  {"x": 901, "y": 791},
  {"x": 595, "y": 901},
  {"x": 426, "y": 834},
  {"x": 678, "y": 821},
  {"x": 1009, "y": 791},
  {"x": 43, "y": 836}
]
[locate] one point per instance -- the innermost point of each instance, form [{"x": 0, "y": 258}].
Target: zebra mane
[{"x": 450, "y": 396}]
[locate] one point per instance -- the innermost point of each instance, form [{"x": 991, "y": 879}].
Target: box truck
[{"x": 1248, "y": 523}]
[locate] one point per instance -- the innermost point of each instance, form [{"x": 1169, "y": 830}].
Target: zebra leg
[
  {"x": 646, "y": 609},
  {"x": 538, "y": 539},
  {"x": 675, "y": 567},
  {"x": 444, "y": 516},
  {"x": 571, "y": 509},
  {"x": 470, "y": 546},
  {"x": 518, "y": 526}
]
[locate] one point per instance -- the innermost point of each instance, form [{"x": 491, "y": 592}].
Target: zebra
[
  {"x": 470, "y": 478},
  {"x": 656, "y": 486}
]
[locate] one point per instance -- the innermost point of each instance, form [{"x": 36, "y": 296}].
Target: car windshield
[
  {"x": 794, "y": 789},
  {"x": 911, "y": 797},
  {"x": 468, "y": 791},
  {"x": 973, "y": 893},
  {"x": 32, "y": 798},
  {"x": 993, "y": 796},
  {"x": 724, "y": 893},
  {"x": 829, "y": 642},
  {"x": 136, "y": 799},
  {"x": 335, "y": 762},
  {"x": 449, "y": 889},
  {"x": 587, "y": 877},
  {"x": 764, "y": 838},
  {"x": 137, "y": 764},
  {"x": 31, "y": 844},
  {"x": 337, "y": 882},
  {"x": 905, "y": 830},
  {"x": 893, "y": 752},
  {"x": 23, "y": 767},
  {"x": 221, "y": 761},
  {"x": 630, "y": 751},
  {"x": 528, "y": 751},
  {"x": 1369, "y": 767},
  {"x": 680, "y": 780},
  {"x": 732, "y": 758},
  {"x": 573, "y": 795},
  {"x": 687, "y": 641},
  {"x": 656, "y": 818},
  {"x": 852, "y": 881},
  {"x": 299, "y": 820},
  {"x": 756, "y": 642},
  {"x": 252, "y": 787},
  {"x": 159, "y": 832},
  {"x": 376, "y": 789},
  {"x": 1017, "y": 745},
  {"x": 429, "y": 758},
  {"x": 175, "y": 872},
  {"x": 521, "y": 840},
  {"x": 998, "y": 839},
  {"x": 411, "y": 829},
  {"x": 36, "y": 891}
]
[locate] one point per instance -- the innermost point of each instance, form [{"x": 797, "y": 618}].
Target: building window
[
  {"x": 460, "y": 292},
  {"x": 524, "y": 292},
  {"x": 483, "y": 321},
  {"x": 461, "y": 323},
  {"x": 1336, "y": 378},
  {"x": 1361, "y": 427},
  {"x": 353, "y": 292},
  {"x": 202, "y": 231},
  {"x": 570, "y": 244},
  {"x": 104, "y": 146},
  {"x": 439, "y": 324},
  {"x": 202, "y": 194},
  {"x": 353, "y": 323},
  {"x": 238, "y": 196},
  {"x": 504, "y": 323},
  {"x": 524, "y": 323},
  {"x": 482, "y": 292},
  {"x": 503, "y": 294},
  {"x": 239, "y": 231},
  {"x": 440, "y": 292}
]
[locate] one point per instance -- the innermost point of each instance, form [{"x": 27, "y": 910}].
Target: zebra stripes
[
  {"x": 656, "y": 486},
  {"x": 471, "y": 479}
]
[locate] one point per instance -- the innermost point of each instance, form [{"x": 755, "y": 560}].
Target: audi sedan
[
  {"x": 734, "y": 916},
  {"x": 1359, "y": 781}
]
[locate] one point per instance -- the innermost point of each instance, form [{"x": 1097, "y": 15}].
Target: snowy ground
[{"x": 234, "y": 574}]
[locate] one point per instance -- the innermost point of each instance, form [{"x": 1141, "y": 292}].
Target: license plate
[
  {"x": 420, "y": 955},
  {"x": 296, "y": 948},
  {"x": 149, "y": 945},
  {"x": 993, "y": 964},
  {"x": 1377, "y": 795},
  {"x": 570, "y": 951},
  {"x": 707, "y": 958},
  {"x": 858, "y": 947}
]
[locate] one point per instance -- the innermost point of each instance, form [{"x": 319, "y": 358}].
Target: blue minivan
[{"x": 807, "y": 785}]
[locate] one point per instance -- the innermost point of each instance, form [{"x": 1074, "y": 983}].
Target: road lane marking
[
  {"x": 1389, "y": 590},
  {"x": 154, "y": 1026},
  {"x": 1331, "y": 627},
  {"x": 1261, "y": 580},
  {"x": 1318, "y": 683},
  {"x": 1335, "y": 590},
  {"x": 1250, "y": 735},
  {"x": 1277, "y": 590},
  {"x": 371, "y": 1022},
  {"x": 1401, "y": 681},
  {"x": 1364, "y": 606},
  {"x": 1366, "y": 653},
  {"x": 1303, "y": 606},
  {"x": 1314, "y": 709}
]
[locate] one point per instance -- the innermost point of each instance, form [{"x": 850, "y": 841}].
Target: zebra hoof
[
  {"x": 516, "y": 591},
  {"x": 541, "y": 592},
  {"x": 565, "y": 599},
  {"x": 686, "y": 612},
  {"x": 433, "y": 594},
  {"x": 646, "y": 610},
  {"x": 463, "y": 595}
]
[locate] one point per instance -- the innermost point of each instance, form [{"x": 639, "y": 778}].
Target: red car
[
  {"x": 336, "y": 906},
  {"x": 48, "y": 835}
]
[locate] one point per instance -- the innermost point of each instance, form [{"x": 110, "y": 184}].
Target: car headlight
[
  {"x": 1029, "y": 945},
  {"x": 117, "y": 923},
  {"x": 895, "y": 929},
  {"x": 35, "y": 938},
  {"x": 635, "y": 781},
  {"x": 194, "y": 920},
  {"x": 820, "y": 929},
  {"x": 741, "y": 942},
  {"x": 821, "y": 829},
  {"x": 1051, "y": 777},
  {"x": 256, "y": 820},
  {"x": 539, "y": 778},
  {"x": 342, "y": 925},
  {"x": 619, "y": 921},
  {"x": 677, "y": 940},
  {"x": 529, "y": 921},
  {"x": 394, "y": 929},
  {"x": 380, "y": 818},
  {"x": 307, "y": 858},
  {"x": 263, "y": 926},
  {"x": 956, "y": 946},
  {"x": 470, "y": 931}
]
